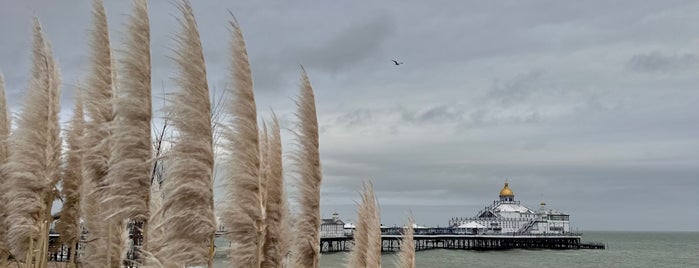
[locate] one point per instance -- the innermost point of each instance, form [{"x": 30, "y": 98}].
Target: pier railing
[
  {"x": 442, "y": 239},
  {"x": 458, "y": 231}
]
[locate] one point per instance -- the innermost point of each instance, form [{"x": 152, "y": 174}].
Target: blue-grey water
[{"x": 624, "y": 249}]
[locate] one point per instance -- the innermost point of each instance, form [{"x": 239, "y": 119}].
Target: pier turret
[{"x": 506, "y": 194}]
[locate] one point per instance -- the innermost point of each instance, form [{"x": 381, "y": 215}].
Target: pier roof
[
  {"x": 472, "y": 225},
  {"x": 512, "y": 207}
]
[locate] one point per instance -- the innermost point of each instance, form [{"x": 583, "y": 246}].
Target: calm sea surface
[{"x": 624, "y": 249}]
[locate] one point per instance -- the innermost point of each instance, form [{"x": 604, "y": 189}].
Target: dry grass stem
[{"x": 5, "y": 124}]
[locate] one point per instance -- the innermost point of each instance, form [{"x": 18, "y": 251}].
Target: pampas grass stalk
[
  {"x": 4, "y": 133},
  {"x": 306, "y": 247},
  {"x": 188, "y": 219},
  {"x": 155, "y": 204},
  {"x": 33, "y": 167},
  {"x": 153, "y": 230},
  {"x": 244, "y": 212},
  {"x": 130, "y": 164},
  {"x": 68, "y": 225},
  {"x": 54, "y": 133},
  {"x": 263, "y": 146},
  {"x": 43, "y": 246},
  {"x": 98, "y": 109},
  {"x": 276, "y": 242},
  {"x": 5, "y": 124},
  {"x": 366, "y": 251},
  {"x": 406, "y": 256}
]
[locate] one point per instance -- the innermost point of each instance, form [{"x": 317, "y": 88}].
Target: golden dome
[{"x": 506, "y": 191}]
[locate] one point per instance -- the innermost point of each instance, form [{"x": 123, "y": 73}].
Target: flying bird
[{"x": 396, "y": 62}]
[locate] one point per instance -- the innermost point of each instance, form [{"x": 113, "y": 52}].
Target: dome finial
[{"x": 506, "y": 191}]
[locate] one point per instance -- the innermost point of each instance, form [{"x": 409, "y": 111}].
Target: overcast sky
[{"x": 590, "y": 106}]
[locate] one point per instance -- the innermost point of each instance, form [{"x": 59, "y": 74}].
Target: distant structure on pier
[
  {"x": 507, "y": 216},
  {"x": 333, "y": 227}
]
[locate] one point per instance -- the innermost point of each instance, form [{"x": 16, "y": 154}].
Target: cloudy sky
[{"x": 591, "y": 106}]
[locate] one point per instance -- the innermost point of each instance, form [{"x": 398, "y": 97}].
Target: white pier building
[{"x": 507, "y": 216}]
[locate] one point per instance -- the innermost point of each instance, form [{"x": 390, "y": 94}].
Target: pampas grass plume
[
  {"x": 130, "y": 164},
  {"x": 406, "y": 256},
  {"x": 244, "y": 212},
  {"x": 98, "y": 110},
  {"x": 188, "y": 220},
  {"x": 276, "y": 241},
  {"x": 30, "y": 169},
  {"x": 306, "y": 247},
  {"x": 126, "y": 186},
  {"x": 366, "y": 251},
  {"x": 68, "y": 225}
]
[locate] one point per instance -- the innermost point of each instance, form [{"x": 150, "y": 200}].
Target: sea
[{"x": 624, "y": 249}]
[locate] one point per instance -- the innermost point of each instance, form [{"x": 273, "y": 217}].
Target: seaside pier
[
  {"x": 442, "y": 238},
  {"x": 504, "y": 224}
]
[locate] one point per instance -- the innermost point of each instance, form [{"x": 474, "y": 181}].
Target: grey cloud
[
  {"x": 434, "y": 114},
  {"x": 656, "y": 62},
  {"x": 437, "y": 114},
  {"x": 351, "y": 46},
  {"x": 328, "y": 52},
  {"x": 355, "y": 118},
  {"x": 517, "y": 88},
  {"x": 562, "y": 98}
]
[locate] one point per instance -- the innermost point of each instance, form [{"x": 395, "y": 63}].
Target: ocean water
[{"x": 624, "y": 249}]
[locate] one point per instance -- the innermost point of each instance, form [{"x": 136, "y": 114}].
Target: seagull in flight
[{"x": 396, "y": 62}]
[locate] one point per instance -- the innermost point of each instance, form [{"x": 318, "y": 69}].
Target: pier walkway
[{"x": 448, "y": 238}]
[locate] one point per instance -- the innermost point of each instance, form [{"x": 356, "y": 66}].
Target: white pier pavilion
[{"x": 508, "y": 216}]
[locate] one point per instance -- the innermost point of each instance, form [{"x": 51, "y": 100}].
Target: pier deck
[
  {"x": 425, "y": 239},
  {"x": 439, "y": 240}
]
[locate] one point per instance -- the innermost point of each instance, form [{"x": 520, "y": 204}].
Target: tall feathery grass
[
  {"x": 107, "y": 176},
  {"x": 99, "y": 94},
  {"x": 68, "y": 224},
  {"x": 4, "y": 134},
  {"x": 128, "y": 179},
  {"x": 276, "y": 245},
  {"x": 406, "y": 256},
  {"x": 306, "y": 244},
  {"x": 187, "y": 217},
  {"x": 127, "y": 182},
  {"x": 244, "y": 212},
  {"x": 366, "y": 251},
  {"x": 33, "y": 168}
]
